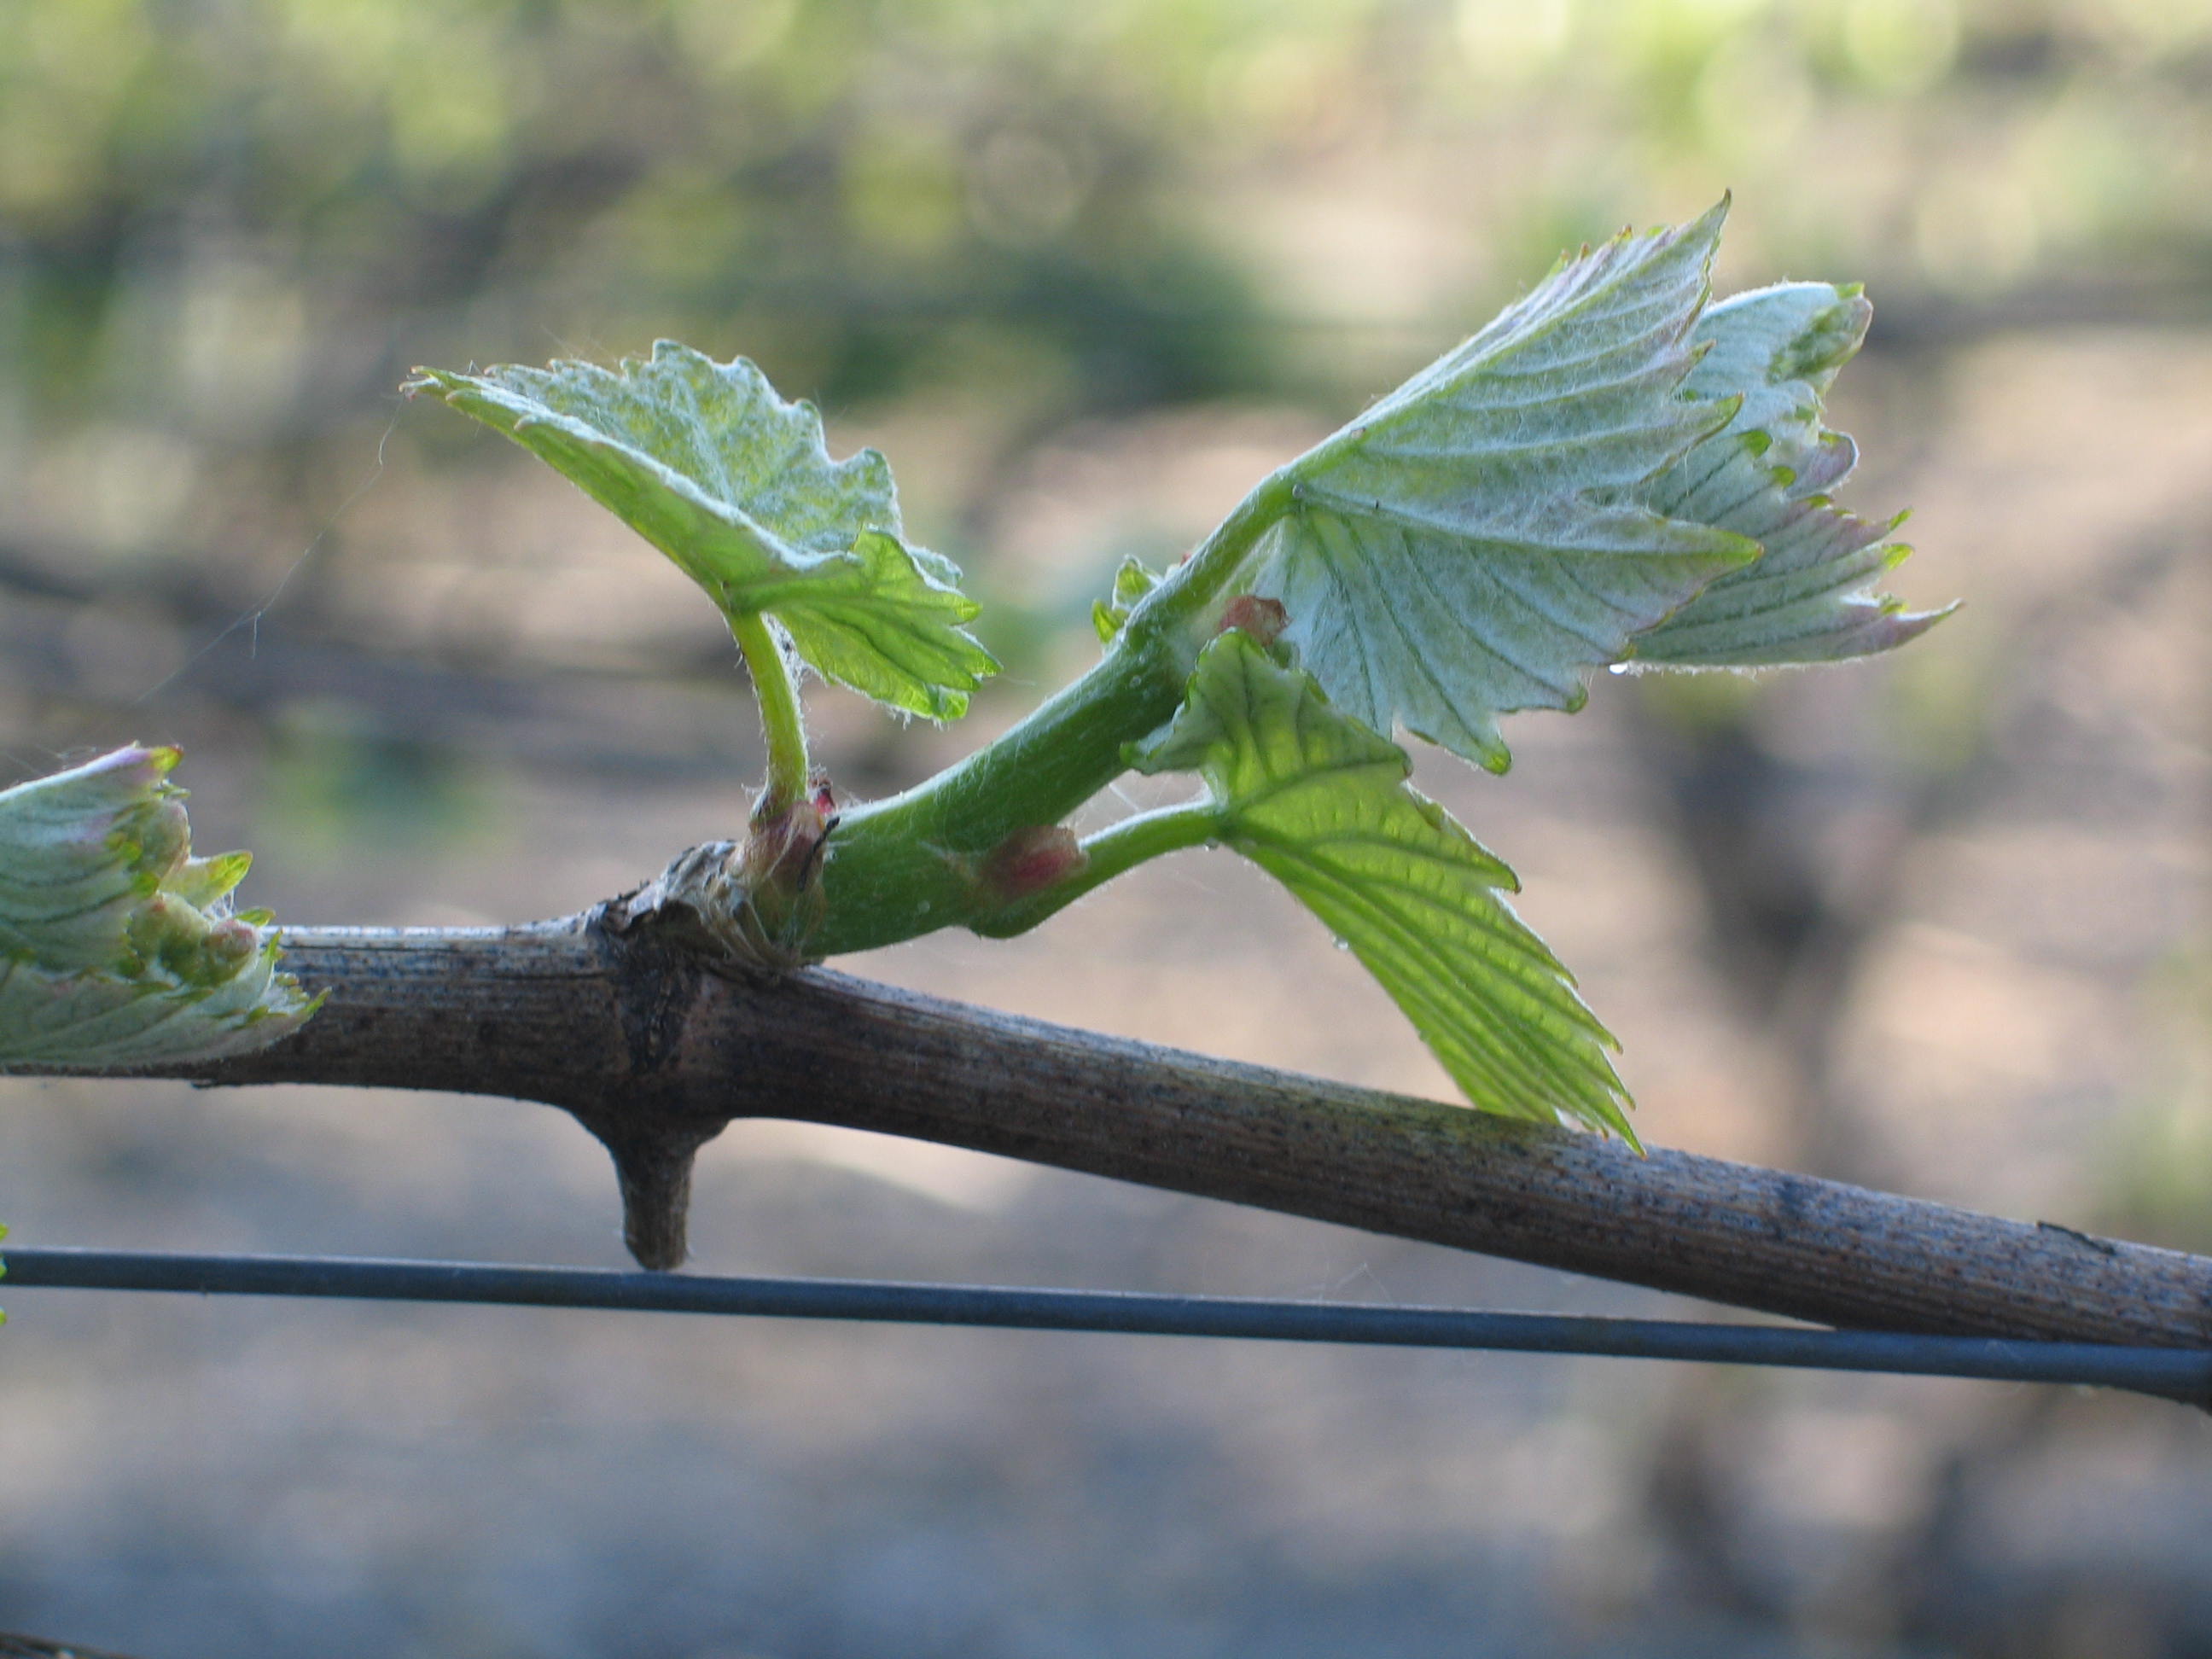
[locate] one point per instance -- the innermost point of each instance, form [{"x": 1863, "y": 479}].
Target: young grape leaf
[
  {"x": 118, "y": 948},
  {"x": 1475, "y": 541},
  {"x": 734, "y": 484},
  {"x": 1322, "y": 804},
  {"x": 1766, "y": 475}
]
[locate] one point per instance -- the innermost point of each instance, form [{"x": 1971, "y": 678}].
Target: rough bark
[{"x": 611, "y": 1017}]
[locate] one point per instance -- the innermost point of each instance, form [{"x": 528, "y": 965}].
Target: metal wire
[{"x": 2184, "y": 1374}]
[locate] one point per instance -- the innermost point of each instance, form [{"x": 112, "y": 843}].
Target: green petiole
[
  {"x": 1109, "y": 854},
  {"x": 899, "y": 868},
  {"x": 782, "y": 725}
]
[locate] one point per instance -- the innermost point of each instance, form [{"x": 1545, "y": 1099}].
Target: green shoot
[{"x": 1613, "y": 472}]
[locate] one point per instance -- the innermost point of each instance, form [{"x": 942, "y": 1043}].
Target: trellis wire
[{"x": 2183, "y": 1374}]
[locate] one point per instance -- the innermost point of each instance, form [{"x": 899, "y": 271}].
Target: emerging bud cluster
[
  {"x": 117, "y": 947},
  {"x": 779, "y": 876}
]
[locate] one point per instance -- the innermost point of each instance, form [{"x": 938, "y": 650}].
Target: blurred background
[{"x": 1085, "y": 273}]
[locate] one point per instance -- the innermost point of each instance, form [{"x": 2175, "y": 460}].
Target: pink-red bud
[
  {"x": 1263, "y": 619},
  {"x": 779, "y": 876},
  {"x": 1031, "y": 860},
  {"x": 229, "y": 943}
]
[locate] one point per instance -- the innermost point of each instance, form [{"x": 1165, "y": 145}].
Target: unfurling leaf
[
  {"x": 1610, "y": 472},
  {"x": 705, "y": 461},
  {"x": 118, "y": 948},
  {"x": 1322, "y": 804},
  {"x": 1475, "y": 543},
  {"x": 1767, "y": 475}
]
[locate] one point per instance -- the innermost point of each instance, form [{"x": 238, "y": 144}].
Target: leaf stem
[
  {"x": 1111, "y": 853},
  {"x": 902, "y": 867},
  {"x": 781, "y": 723}
]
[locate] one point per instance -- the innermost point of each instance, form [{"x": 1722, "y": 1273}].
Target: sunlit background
[{"x": 1084, "y": 273}]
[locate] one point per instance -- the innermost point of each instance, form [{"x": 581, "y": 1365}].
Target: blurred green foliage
[
  {"x": 229, "y": 227},
  {"x": 332, "y": 783},
  {"x": 243, "y": 209},
  {"x": 263, "y": 191}
]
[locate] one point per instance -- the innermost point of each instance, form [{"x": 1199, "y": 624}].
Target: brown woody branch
[{"x": 612, "y": 1017}]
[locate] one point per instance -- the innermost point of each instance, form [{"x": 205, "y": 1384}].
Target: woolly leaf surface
[
  {"x": 1474, "y": 543},
  {"x": 706, "y": 462},
  {"x": 118, "y": 948}
]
